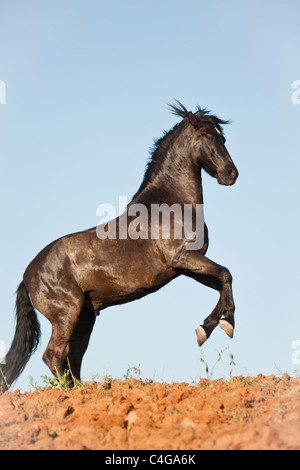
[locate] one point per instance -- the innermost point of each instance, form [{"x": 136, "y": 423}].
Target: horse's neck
[{"x": 176, "y": 180}]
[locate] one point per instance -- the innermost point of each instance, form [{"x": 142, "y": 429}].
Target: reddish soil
[{"x": 244, "y": 413}]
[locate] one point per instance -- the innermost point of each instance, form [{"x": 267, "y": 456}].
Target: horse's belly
[{"x": 113, "y": 291}]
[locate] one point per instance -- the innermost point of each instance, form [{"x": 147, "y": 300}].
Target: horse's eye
[{"x": 210, "y": 137}]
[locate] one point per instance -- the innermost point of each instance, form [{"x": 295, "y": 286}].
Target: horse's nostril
[{"x": 232, "y": 173}]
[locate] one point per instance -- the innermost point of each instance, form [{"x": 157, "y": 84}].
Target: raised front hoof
[
  {"x": 201, "y": 335},
  {"x": 227, "y": 327}
]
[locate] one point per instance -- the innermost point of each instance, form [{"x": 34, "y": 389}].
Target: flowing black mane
[
  {"x": 201, "y": 115},
  {"x": 160, "y": 144}
]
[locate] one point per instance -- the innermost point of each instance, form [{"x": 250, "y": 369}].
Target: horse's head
[
  {"x": 210, "y": 152},
  {"x": 208, "y": 147}
]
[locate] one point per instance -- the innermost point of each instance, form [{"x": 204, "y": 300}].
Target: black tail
[{"x": 25, "y": 342}]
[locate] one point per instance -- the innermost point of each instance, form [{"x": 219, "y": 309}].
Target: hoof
[
  {"x": 227, "y": 327},
  {"x": 201, "y": 335}
]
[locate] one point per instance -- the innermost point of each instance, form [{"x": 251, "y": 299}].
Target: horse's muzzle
[{"x": 229, "y": 177}]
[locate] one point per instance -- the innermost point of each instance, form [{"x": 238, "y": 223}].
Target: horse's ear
[{"x": 193, "y": 120}]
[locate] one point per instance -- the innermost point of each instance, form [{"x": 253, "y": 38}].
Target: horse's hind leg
[
  {"x": 64, "y": 318},
  {"x": 79, "y": 340}
]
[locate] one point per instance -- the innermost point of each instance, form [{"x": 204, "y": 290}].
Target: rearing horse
[{"x": 75, "y": 277}]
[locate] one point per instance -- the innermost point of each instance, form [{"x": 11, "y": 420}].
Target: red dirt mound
[{"x": 244, "y": 413}]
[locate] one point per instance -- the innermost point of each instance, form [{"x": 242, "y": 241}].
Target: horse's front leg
[{"x": 213, "y": 275}]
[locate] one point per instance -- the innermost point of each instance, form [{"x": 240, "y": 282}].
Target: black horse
[{"x": 75, "y": 277}]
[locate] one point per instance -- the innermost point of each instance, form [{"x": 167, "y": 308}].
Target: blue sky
[{"x": 87, "y": 87}]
